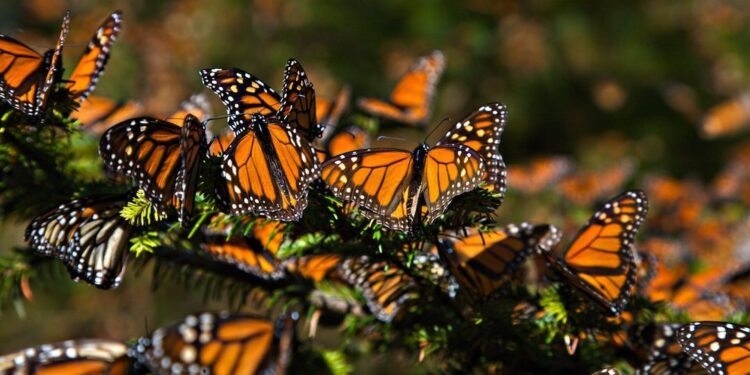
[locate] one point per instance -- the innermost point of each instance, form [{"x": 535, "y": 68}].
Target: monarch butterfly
[
  {"x": 28, "y": 76},
  {"x": 482, "y": 261},
  {"x": 69, "y": 357},
  {"x": 599, "y": 261},
  {"x": 680, "y": 202},
  {"x": 97, "y": 113},
  {"x": 218, "y": 343},
  {"x": 162, "y": 157},
  {"x": 267, "y": 170},
  {"x": 245, "y": 95},
  {"x": 538, "y": 174},
  {"x": 721, "y": 348},
  {"x": 91, "y": 64},
  {"x": 410, "y": 101},
  {"x": 727, "y": 118},
  {"x": 664, "y": 354},
  {"x": 387, "y": 183},
  {"x": 387, "y": 289},
  {"x": 350, "y": 139},
  {"x": 587, "y": 186},
  {"x": 313, "y": 267},
  {"x": 244, "y": 253},
  {"x": 329, "y": 111},
  {"x": 88, "y": 235}
]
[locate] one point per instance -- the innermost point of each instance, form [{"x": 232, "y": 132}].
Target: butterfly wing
[
  {"x": 74, "y": 357},
  {"x": 269, "y": 179},
  {"x": 246, "y": 255},
  {"x": 147, "y": 150},
  {"x": 721, "y": 348},
  {"x": 27, "y": 76},
  {"x": 351, "y": 139},
  {"x": 538, "y": 174},
  {"x": 313, "y": 267},
  {"x": 192, "y": 149},
  {"x": 586, "y": 187},
  {"x": 449, "y": 170},
  {"x": 481, "y": 131},
  {"x": 243, "y": 94},
  {"x": 298, "y": 106},
  {"x": 411, "y": 100},
  {"x": 387, "y": 289},
  {"x": 329, "y": 112},
  {"x": 665, "y": 356},
  {"x": 211, "y": 344},
  {"x": 97, "y": 114},
  {"x": 197, "y": 105},
  {"x": 91, "y": 64},
  {"x": 377, "y": 180},
  {"x": 483, "y": 261},
  {"x": 600, "y": 260}
]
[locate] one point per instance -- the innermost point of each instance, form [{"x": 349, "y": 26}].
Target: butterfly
[
  {"x": 266, "y": 170},
  {"x": 587, "y": 186},
  {"x": 218, "y": 343},
  {"x": 350, "y": 139},
  {"x": 387, "y": 184},
  {"x": 721, "y": 348},
  {"x": 538, "y": 174},
  {"x": 663, "y": 353},
  {"x": 97, "y": 113},
  {"x": 162, "y": 157},
  {"x": 410, "y": 101},
  {"x": 482, "y": 261},
  {"x": 387, "y": 289},
  {"x": 599, "y": 261},
  {"x": 91, "y": 64},
  {"x": 606, "y": 371},
  {"x": 314, "y": 267},
  {"x": 244, "y": 253},
  {"x": 329, "y": 112},
  {"x": 88, "y": 235},
  {"x": 27, "y": 76},
  {"x": 245, "y": 95},
  {"x": 679, "y": 203},
  {"x": 729, "y": 117},
  {"x": 69, "y": 357}
]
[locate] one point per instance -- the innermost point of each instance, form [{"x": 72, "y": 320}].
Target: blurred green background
[{"x": 594, "y": 80}]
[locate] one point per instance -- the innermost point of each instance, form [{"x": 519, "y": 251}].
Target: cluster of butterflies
[{"x": 206, "y": 343}]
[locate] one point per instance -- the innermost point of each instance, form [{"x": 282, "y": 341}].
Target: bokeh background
[{"x": 600, "y": 82}]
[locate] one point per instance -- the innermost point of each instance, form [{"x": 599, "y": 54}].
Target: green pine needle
[
  {"x": 337, "y": 362},
  {"x": 140, "y": 211},
  {"x": 145, "y": 243}
]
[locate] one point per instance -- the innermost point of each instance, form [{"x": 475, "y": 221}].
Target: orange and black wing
[
  {"x": 721, "y": 348},
  {"x": 193, "y": 148},
  {"x": 329, "y": 112},
  {"x": 91, "y": 65},
  {"x": 600, "y": 260},
  {"x": 220, "y": 143},
  {"x": 298, "y": 106},
  {"x": 269, "y": 179},
  {"x": 149, "y": 151},
  {"x": 270, "y": 234},
  {"x": 26, "y": 77},
  {"x": 314, "y": 267},
  {"x": 538, "y": 174},
  {"x": 246, "y": 254},
  {"x": 351, "y": 139},
  {"x": 481, "y": 131},
  {"x": 449, "y": 170},
  {"x": 243, "y": 94},
  {"x": 664, "y": 355},
  {"x": 74, "y": 357},
  {"x": 411, "y": 100},
  {"x": 376, "y": 180},
  {"x": 97, "y": 114},
  {"x": 483, "y": 261},
  {"x": 197, "y": 105},
  {"x": 387, "y": 289},
  {"x": 88, "y": 235},
  {"x": 216, "y": 343},
  {"x": 587, "y": 186}
]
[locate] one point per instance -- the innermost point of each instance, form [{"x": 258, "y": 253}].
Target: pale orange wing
[{"x": 97, "y": 114}]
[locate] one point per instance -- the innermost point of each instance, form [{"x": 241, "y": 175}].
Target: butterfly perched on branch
[
  {"x": 162, "y": 157},
  {"x": 89, "y": 356},
  {"x": 391, "y": 185},
  {"x": 600, "y": 260},
  {"x": 410, "y": 102},
  {"x": 28, "y": 77},
  {"x": 88, "y": 235}
]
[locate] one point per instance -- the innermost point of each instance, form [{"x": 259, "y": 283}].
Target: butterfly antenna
[{"x": 444, "y": 120}]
